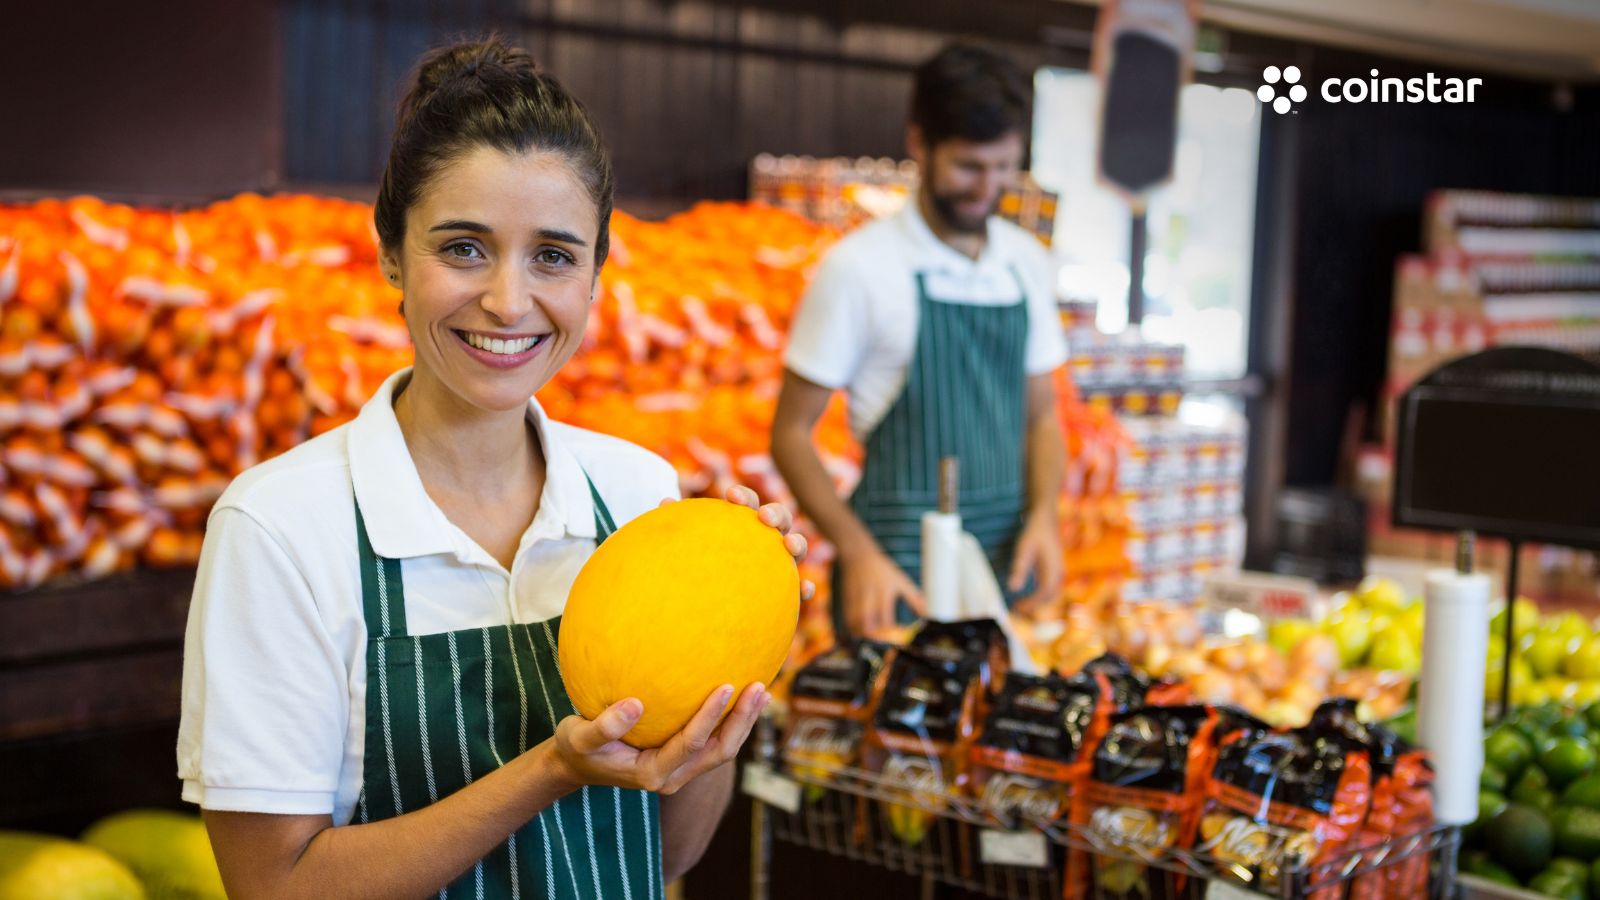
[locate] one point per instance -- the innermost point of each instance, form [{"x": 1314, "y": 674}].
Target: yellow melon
[{"x": 678, "y": 602}]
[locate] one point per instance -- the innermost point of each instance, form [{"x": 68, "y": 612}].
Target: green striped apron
[
  {"x": 445, "y": 709},
  {"x": 965, "y": 396}
]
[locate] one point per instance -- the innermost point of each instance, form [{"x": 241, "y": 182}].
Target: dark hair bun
[{"x": 466, "y": 67}]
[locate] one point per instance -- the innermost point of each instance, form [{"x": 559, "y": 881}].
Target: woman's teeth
[{"x": 499, "y": 345}]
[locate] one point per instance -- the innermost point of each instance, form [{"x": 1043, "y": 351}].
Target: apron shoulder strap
[
  {"x": 604, "y": 525},
  {"x": 383, "y": 593}
]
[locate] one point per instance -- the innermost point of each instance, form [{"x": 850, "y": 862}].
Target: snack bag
[
  {"x": 829, "y": 702},
  {"x": 1126, "y": 687},
  {"x": 1142, "y": 798},
  {"x": 1401, "y": 800},
  {"x": 1034, "y": 750},
  {"x": 1282, "y": 800},
  {"x": 920, "y": 734},
  {"x": 955, "y": 643},
  {"x": 1123, "y": 686}
]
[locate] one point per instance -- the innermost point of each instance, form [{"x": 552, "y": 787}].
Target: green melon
[
  {"x": 43, "y": 867},
  {"x": 169, "y": 851}
]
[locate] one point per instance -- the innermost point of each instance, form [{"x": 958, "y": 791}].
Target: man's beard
[{"x": 957, "y": 221}]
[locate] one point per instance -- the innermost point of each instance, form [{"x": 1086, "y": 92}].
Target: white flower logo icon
[{"x": 1290, "y": 76}]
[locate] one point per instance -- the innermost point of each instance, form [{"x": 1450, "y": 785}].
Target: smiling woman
[{"x": 373, "y": 705}]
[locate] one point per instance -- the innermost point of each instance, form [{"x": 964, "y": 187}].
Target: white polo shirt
[
  {"x": 856, "y": 327},
  {"x": 274, "y": 673}
]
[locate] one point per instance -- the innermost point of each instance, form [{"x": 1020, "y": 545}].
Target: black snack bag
[
  {"x": 829, "y": 702},
  {"x": 1282, "y": 800},
  {"x": 920, "y": 733},
  {"x": 1143, "y": 794},
  {"x": 956, "y": 643},
  {"x": 1034, "y": 750}
]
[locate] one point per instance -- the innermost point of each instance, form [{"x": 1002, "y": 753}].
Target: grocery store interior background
[{"x": 1276, "y": 256}]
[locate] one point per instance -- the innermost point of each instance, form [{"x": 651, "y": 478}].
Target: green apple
[
  {"x": 1286, "y": 634},
  {"x": 1351, "y": 630},
  {"x": 1527, "y": 618},
  {"x": 1385, "y": 594},
  {"x": 1547, "y": 650},
  {"x": 1393, "y": 651},
  {"x": 1411, "y": 622},
  {"x": 1588, "y": 692},
  {"x": 1584, "y": 660},
  {"x": 1569, "y": 625}
]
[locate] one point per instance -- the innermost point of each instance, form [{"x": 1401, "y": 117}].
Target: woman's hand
[
  {"x": 592, "y": 752},
  {"x": 773, "y": 515}
]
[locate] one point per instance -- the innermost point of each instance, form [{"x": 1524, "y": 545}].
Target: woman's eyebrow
[
  {"x": 566, "y": 237},
  {"x": 548, "y": 234},
  {"x": 461, "y": 225}
]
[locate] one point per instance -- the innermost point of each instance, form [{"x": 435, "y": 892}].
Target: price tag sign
[
  {"x": 1219, "y": 889},
  {"x": 1013, "y": 848},
  {"x": 1268, "y": 597},
  {"x": 760, "y": 782}
]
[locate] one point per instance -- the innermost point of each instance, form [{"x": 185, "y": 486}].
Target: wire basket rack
[{"x": 950, "y": 839}]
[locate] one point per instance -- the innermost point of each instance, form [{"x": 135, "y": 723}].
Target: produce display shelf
[{"x": 847, "y": 812}]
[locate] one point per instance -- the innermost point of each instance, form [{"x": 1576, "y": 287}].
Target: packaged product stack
[
  {"x": 1181, "y": 481},
  {"x": 1498, "y": 270},
  {"x": 844, "y": 192}
]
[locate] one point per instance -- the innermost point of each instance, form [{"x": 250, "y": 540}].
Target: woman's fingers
[
  {"x": 681, "y": 747},
  {"x": 743, "y": 496},
  {"x": 808, "y": 589},
  {"x": 609, "y": 726},
  {"x": 724, "y": 745},
  {"x": 778, "y": 516}
]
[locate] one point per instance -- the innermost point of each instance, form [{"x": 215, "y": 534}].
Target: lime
[
  {"x": 1571, "y": 726},
  {"x": 1508, "y": 750},
  {"x": 1489, "y": 806},
  {"x": 1576, "y": 869},
  {"x": 1583, "y": 792},
  {"x": 1496, "y": 873},
  {"x": 1549, "y": 713},
  {"x": 1533, "y": 779},
  {"x": 1557, "y": 884},
  {"x": 1519, "y": 838},
  {"x": 1577, "y": 830},
  {"x": 1493, "y": 779},
  {"x": 1566, "y": 760}
]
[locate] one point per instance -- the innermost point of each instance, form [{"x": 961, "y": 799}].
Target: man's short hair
[{"x": 973, "y": 93}]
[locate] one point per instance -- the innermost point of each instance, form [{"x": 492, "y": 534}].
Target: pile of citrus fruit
[
  {"x": 148, "y": 355},
  {"x": 1539, "y": 803}
]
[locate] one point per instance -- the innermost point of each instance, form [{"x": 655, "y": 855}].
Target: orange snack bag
[
  {"x": 1142, "y": 797},
  {"x": 1282, "y": 800},
  {"x": 1033, "y": 752}
]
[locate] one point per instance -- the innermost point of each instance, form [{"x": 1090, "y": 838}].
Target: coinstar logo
[{"x": 1281, "y": 89}]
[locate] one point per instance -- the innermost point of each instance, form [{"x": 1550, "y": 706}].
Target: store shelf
[{"x": 856, "y": 815}]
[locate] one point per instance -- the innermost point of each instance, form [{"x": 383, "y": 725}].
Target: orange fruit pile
[{"x": 147, "y": 356}]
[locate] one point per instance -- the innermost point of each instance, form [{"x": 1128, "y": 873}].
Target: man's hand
[
  {"x": 872, "y": 584},
  {"x": 1038, "y": 553}
]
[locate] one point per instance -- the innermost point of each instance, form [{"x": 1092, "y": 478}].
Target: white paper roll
[
  {"x": 1455, "y": 642},
  {"x": 941, "y": 565}
]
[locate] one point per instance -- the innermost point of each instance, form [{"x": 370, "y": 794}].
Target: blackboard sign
[{"x": 1505, "y": 443}]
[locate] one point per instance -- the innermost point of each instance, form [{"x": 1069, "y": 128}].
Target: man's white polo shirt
[
  {"x": 274, "y": 680},
  {"x": 856, "y": 327}
]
